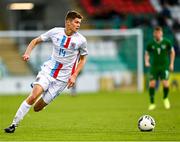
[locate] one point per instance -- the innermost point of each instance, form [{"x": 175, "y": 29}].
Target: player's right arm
[
  {"x": 30, "y": 47},
  {"x": 147, "y": 57},
  {"x": 147, "y": 63}
]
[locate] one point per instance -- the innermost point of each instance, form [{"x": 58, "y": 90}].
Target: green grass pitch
[{"x": 103, "y": 116}]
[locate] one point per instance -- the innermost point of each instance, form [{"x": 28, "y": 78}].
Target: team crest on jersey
[
  {"x": 163, "y": 46},
  {"x": 73, "y": 45}
]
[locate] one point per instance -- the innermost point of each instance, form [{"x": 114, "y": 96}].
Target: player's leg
[
  {"x": 152, "y": 85},
  {"x": 166, "y": 92},
  {"x": 36, "y": 92},
  {"x": 165, "y": 88},
  {"x": 25, "y": 107},
  {"x": 165, "y": 82},
  {"x": 39, "y": 105},
  {"x": 55, "y": 88},
  {"x": 41, "y": 84}
]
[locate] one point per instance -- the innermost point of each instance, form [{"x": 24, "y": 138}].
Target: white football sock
[{"x": 22, "y": 111}]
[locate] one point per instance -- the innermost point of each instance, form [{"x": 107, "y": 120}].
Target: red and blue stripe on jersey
[
  {"x": 55, "y": 71},
  {"x": 63, "y": 44}
]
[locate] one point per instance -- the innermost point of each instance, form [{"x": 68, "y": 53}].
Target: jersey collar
[
  {"x": 158, "y": 41},
  {"x": 67, "y": 35}
]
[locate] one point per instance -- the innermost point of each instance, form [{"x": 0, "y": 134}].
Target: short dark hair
[
  {"x": 158, "y": 28},
  {"x": 72, "y": 15}
]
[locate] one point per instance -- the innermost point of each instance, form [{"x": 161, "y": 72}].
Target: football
[{"x": 146, "y": 123}]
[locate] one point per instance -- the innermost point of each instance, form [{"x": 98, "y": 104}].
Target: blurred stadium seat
[
  {"x": 107, "y": 6},
  {"x": 12, "y": 58}
]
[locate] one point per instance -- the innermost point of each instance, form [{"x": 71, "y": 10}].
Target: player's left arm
[
  {"x": 172, "y": 55},
  {"x": 172, "y": 58},
  {"x": 80, "y": 66},
  {"x": 82, "y": 60}
]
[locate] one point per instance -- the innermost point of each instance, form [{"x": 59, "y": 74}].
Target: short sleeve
[
  {"x": 83, "y": 48},
  {"x": 47, "y": 35},
  {"x": 148, "y": 48},
  {"x": 169, "y": 45}
]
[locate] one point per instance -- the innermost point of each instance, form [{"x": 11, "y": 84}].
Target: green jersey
[{"x": 159, "y": 53}]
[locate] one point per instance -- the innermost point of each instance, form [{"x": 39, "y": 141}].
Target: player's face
[
  {"x": 74, "y": 25},
  {"x": 158, "y": 35}
]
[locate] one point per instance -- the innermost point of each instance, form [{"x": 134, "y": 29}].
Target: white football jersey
[{"x": 65, "y": 54}]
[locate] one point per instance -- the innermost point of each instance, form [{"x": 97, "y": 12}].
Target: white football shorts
[{"x": 51, "y": 86}]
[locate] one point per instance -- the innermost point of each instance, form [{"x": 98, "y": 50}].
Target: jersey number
[{"x": 62, "y": 52}]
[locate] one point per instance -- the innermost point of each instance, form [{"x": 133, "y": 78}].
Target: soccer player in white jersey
[{"x": 61, "y": 71}]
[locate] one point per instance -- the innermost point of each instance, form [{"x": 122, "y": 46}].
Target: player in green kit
[{"x": 159, "y": 56}]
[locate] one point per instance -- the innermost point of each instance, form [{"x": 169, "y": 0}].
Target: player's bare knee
[
  {"x": 34, "y": 92},
  {"x": 31, "y": 100},
  {"x": 165, "y": 83},
  {"x": 152, "y": 84}
]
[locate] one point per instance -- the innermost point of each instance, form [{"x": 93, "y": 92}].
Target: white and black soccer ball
[{"x": 146, "y": 123}]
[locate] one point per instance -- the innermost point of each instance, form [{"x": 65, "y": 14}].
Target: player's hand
[
  {"x": 25, "y": 57},
  {"x": 171, "y": 67},
  {"x": 147, "y": 64},
  {"x": 71, "y": 81}
]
